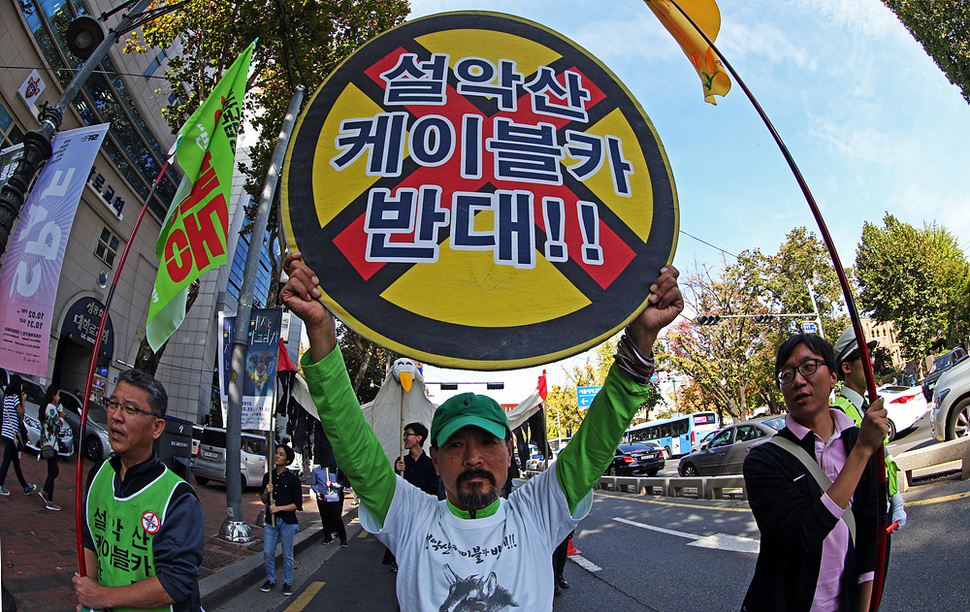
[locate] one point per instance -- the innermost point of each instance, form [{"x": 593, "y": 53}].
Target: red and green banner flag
[
  {"x": 193, "y": 236},
  {"x": 705, "y": 14}
]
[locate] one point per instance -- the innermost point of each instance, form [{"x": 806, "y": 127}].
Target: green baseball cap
[{"x": 469, "y": 409}]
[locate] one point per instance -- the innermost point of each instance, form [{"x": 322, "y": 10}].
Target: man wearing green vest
[
  {"x": 852, "y": 402},
  {"x": 142, "y": 523}
]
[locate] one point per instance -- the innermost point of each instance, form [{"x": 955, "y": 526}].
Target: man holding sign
[{"x": 474, "y": 548}]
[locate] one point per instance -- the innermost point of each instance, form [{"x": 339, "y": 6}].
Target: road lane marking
[
  {"x": 584, "y": 563},
  {"x": 937, "y": 500},
  {"x": 304, "y": 599},
  {"x": 630, "y": 497},
  {"x": 719, "y": 541}
]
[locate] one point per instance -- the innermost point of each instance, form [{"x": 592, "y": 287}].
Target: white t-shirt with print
[{"x": 503, "y": 561}]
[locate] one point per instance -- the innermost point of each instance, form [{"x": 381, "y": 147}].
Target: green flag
[{"x": 193, "y": 236}]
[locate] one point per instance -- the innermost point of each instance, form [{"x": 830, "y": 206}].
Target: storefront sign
[{"x": 81, "y": 325}]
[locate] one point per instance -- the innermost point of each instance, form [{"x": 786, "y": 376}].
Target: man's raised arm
[
  {"x": 357, "y": 450},
  {"x": 588, "y": 453}
]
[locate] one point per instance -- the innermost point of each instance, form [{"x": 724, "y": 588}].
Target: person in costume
[
  {"x": 143, "y": 524},
  {"x": 474, "y": 549},
  {"x": 812, "y": 490}
]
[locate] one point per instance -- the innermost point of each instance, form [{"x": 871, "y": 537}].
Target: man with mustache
[
  {"x": 143, "y": 524},
  {"x": 474, "y": 537}
]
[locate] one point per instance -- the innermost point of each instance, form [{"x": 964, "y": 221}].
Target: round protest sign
[{"x": 476, "y": 191}]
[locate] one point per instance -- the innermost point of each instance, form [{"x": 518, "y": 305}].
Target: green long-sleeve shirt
[{"x": 361, "y": 457}]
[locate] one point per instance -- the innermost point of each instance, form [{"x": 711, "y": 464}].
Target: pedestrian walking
[
  {"x": 812, "y": 490},
  {"x": 51, "y": 425},
  {"x": 475, "y": 549},
  {"x": 324, "y": 481},
  {"x": 13, "y": 442},
  {"x": 143, "y": 524},
  {"x": 283, "y": 495}
]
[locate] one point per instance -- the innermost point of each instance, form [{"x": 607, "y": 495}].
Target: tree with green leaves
[
  {"x": 943, "y": 28},
  {"x": 917, "y": 278}
]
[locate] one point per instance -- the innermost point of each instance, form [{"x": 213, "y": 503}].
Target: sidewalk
[{"x": 38, "y": 548}]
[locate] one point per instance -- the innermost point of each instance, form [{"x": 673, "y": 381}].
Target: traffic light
[
  {"x": 763, "y": 318},
  {"x": 707, "y": 320}
]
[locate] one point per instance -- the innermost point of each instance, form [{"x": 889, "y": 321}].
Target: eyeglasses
[
  {"x": 805, "y": 368},
  {"x": 130, "y": 409},
  {"x": 408, "y": 435}
]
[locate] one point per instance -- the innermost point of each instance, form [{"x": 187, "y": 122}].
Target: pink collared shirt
[{"x": 831, "y": 457}]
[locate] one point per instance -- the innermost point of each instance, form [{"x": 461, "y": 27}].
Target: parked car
[
  {"x": 943, "y": 362},
  {"x": 196, "y": 438},
  {"x": 905, "y": 405},
  {"x": 96, "y": 444},
  {"x": 637, "y": 458},
  {"x": 727, "y": 449},
  {"x": 210, "y": 465},
  {"x": 950, "y": 412},
  {"x": 32, "y": 406}
]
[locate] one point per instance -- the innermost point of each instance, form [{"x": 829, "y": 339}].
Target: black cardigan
[{"x": 787, "y": 504}]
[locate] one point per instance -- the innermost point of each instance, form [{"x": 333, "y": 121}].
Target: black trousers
[
  {"x": 331, "y": 515},
  {"x": 10, "y": 455},
  {"x": 53, "y": 469}
]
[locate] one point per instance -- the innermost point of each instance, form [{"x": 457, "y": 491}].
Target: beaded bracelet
[{"x": 631, "y": 360}]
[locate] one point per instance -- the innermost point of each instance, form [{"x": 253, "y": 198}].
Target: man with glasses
[
  {"x": 143, "y": 524},
  {"x": 818, "y": 530},
  {"x": 418, "y": 469}
]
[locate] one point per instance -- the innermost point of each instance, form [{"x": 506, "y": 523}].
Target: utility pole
[{"x": 234, "y": 529}]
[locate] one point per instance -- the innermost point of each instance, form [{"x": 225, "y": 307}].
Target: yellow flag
[{"x": 705, "y": 14}]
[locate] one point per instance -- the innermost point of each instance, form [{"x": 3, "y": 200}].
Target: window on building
[
  {"x": 10, "y": 132},
  {"x": 153, "y": 66},
  {"x": 107, "y": 247}
]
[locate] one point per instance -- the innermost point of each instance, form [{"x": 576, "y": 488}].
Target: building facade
[{"x": 128, "y": 93}]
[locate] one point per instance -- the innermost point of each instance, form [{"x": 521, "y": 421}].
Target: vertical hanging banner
[
  {"x": 261, "y": 356},
  {"x": 476, "y": 191},
  {"x": 32, "y": 269}
]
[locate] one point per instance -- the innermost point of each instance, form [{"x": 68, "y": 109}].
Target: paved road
[{"x": 658, "y": 554}]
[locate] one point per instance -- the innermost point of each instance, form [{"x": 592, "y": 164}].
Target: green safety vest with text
[
  {"x": 123, "y": 527},
  {"x": 892, "y": 470}
]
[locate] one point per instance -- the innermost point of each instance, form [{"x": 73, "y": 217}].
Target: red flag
[
  {"x": 543, "y": 391},
  {"x": 283, "y": 361}
]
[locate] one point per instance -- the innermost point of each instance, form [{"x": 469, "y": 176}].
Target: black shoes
[
  {"x": 287, "y": 590},
  {"x": 268, "y": 586}
]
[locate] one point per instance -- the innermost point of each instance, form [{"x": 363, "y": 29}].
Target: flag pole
[
  {"x": 79, "y": 471},
  {"x": 849, "y": 302},
  {"x": 234, "y": 528}
]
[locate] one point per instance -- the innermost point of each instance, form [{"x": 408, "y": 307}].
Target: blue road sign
[{"x": 585, "y": 395}]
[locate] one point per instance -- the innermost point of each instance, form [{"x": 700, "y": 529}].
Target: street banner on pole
[
  {"x": 193, "y": 236},
  {"x": 32, "y": 269},
  {"x": 260, "y": 378},
  {"x": 482, "y": 193}
]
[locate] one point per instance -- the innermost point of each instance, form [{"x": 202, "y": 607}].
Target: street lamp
[{"x": 37, "y": 143}]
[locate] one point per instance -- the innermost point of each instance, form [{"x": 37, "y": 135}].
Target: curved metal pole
[
  {"x": 79, "y": 471},
  {"x": 850, "y": 305}
]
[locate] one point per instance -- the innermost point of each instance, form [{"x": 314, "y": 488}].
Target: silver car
[
  {"x": 725, "y": 452},
  {"x": 96, "y": 444},
  {"x": 950, "y": 414},
  {"x": 210, "y": 464}
]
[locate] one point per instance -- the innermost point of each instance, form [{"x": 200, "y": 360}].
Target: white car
[{"x": 905, "y": 405}]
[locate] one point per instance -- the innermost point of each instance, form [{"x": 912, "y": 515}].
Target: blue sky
[{"x": 869, "y": 118}]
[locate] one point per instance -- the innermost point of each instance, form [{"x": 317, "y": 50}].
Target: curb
[{"x": 219, "y": 587}]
